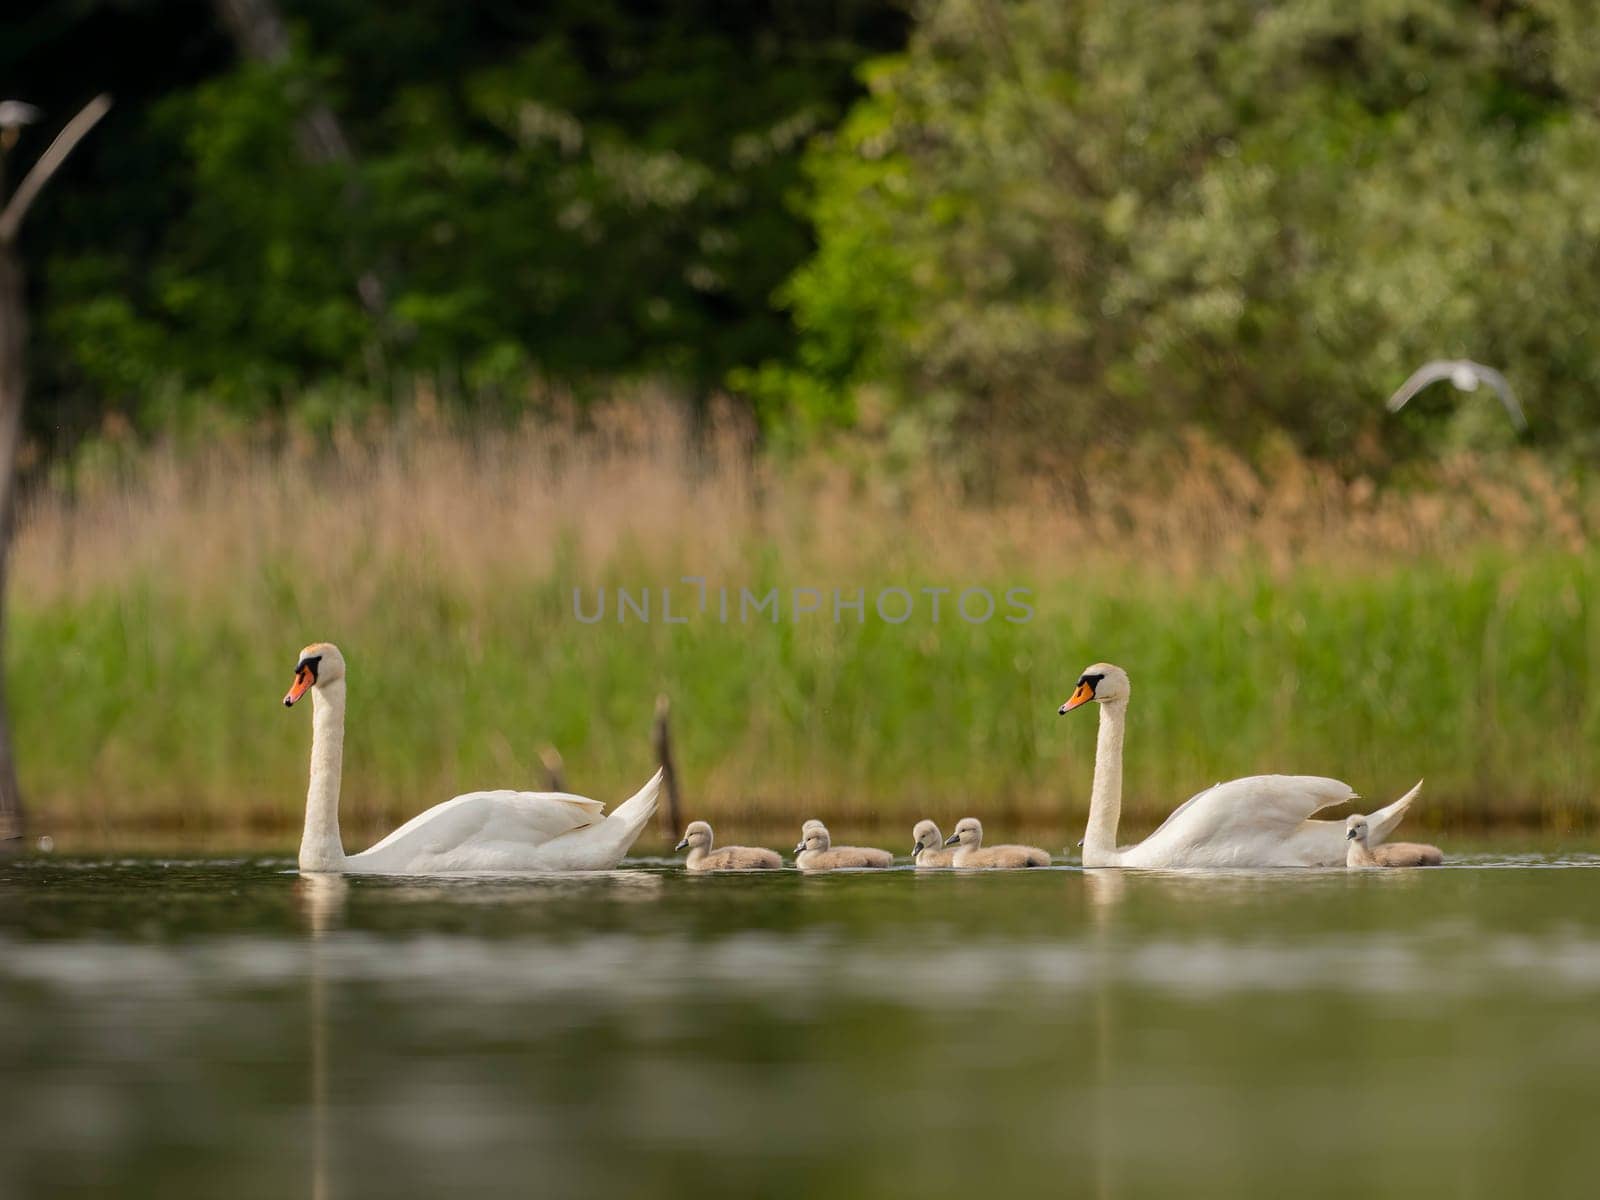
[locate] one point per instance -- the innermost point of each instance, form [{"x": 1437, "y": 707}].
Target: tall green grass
[{"x": 156, "y": 619}]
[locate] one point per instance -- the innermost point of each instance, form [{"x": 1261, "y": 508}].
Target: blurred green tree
[
  {"x": 575, "y": 192},
  {"x": 1066, "y": 222}
]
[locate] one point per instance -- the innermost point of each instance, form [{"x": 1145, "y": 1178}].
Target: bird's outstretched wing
[
  {"x": 1428, "y": 373},
  {"x": 1503, "y": 388}
]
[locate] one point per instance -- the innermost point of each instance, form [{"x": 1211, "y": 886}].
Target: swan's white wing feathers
[
  {"x": 1387, "y": 819},
  {"x": 1177, "y": 812},
  {"x": 1322, "y": 843},
  {"x": 463, "y": 833},
  {"x": 1255, "y": 821}
]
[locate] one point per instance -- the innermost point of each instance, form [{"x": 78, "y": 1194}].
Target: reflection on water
[
  {"x": 322, "y": 899},
  {"x": 168, "y": 1024}
]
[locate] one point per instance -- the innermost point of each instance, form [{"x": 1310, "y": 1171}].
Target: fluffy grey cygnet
[
  {"x": 971, "y": 852},
  {"x": 816, "y": 852},
  {"x": 1390, "y": 854},
  {"x": 730, "y": 858},
  {"x": 927, "y": 846}
]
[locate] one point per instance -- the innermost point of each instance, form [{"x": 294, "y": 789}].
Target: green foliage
[
  {"x": 1084, "y": 221},
  {"x": 162, "y": 697},
  {"x": 1061, "y": 222},
  {"x": 599, "y": 191}
]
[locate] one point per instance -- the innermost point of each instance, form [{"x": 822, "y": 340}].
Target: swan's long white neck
[
  {"x": 320, "y": 847},
  {"x": 1105, "y": 800}
]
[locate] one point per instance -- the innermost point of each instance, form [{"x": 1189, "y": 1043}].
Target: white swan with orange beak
[
  {"x": 1260, "y": 821},
  {"x": 501, "y": 831}
]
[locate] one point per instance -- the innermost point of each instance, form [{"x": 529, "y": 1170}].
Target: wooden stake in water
[
  {"x": 662, "y": 736},
  {"x": 555, "y": 775}
]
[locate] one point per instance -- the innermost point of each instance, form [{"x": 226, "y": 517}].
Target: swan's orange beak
[
  {"x": 1080, "y": 697},
  {"x": 303, "y": 679}
]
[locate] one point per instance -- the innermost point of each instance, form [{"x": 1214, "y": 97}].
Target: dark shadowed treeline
[
  {"x": 570, "y": 191},
  {"x": 1046, "y": 222}
]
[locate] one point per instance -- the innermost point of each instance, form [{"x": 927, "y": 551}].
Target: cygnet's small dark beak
[
  {"x": 681, "y": 844},
  {"x": 952, "y": 839},
  {"x": 800, "y": 847},
  {"x": 1349, "y": 835}
]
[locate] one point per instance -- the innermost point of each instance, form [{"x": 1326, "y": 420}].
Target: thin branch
[{"x": 49, "y": 161}]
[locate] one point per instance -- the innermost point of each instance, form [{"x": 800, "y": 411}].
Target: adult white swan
[
  {"x": 480, "y": 831},
  {"x": 1262, "y": 821}
]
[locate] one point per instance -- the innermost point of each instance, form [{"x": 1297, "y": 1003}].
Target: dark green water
[{"x": 225, "y": 1028}]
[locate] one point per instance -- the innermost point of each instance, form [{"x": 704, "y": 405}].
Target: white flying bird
[
  {"x": 1466, "y": 375},
  {"x": 14, "y": 114}
]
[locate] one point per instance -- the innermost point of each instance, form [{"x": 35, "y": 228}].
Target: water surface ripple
[{"x": 194, "y": 1027}]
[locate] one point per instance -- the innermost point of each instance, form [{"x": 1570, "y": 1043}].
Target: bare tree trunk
[
  {"x": 13, "y": 390},
  {"x": 13, "y": 339}
]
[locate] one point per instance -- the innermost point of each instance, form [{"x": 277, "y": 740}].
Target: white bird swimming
[
  {"x": 1260, "y": 821},
  {"x": 478, "y": 831},
  {"x": 1465, "y": 375}
]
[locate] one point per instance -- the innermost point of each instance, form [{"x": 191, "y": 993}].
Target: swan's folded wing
[
  {"x": 486, "y": 818},
  {"x": 1178, "y": 812},
  {"x": 1384, "y": 822},
  {"x": 1322, "y": 843},
  {"x": 1252, "y": 820}
]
